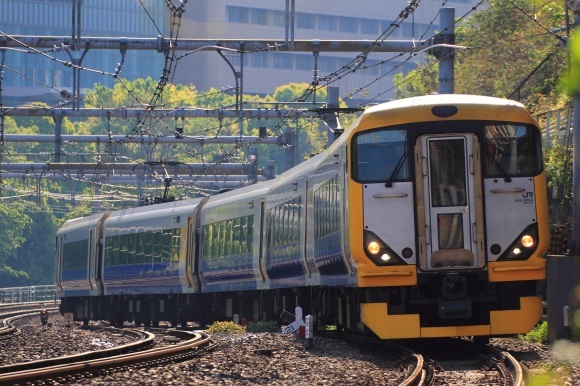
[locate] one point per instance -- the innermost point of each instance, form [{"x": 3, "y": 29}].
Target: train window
[
  {"x": 228, "y": 238},
  {"x": 148, "y": 250},
  {"x": 115, "y": 259},
  {"x": 380, "y": 156},
  {"x": 512, "y": 150},
  {"x": 75, "y": 255},
  {"x": 131, "y": 248},
  {"x": 166, "y": 248},
  {"x": 157, "y": 244},
  {"x": 175, "y": 243},
  {"x": 236, "y": 244},
  {"x": 326, "y": 208},
  {"x": 221, "y": 239},
  {"x": 108, "y": 252},
  {"x": 243, "y": 234},
  {"x": 250, "y": 234},
  {"x": 140, "y": 248},
  {"x": 123, "y": 248}
]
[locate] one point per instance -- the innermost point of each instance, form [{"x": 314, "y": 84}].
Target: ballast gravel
[{"x": 268, "y": 359}]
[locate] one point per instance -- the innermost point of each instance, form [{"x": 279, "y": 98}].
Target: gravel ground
[
  {"x": 237, "y": 361},
  {"x": 283, "y": 361},
  {"x": 555, "y": 365},
  {"x": 41, "y": 342}
]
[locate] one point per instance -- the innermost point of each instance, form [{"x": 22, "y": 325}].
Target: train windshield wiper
[
  {"x": 389, "y": 183},
  {"x": 502, "y": 171}
]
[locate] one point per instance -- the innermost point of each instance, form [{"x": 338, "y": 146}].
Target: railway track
[
  {"x": 138, "y": 354},
  {"x": 10, "y": 314},
  {"x": 457, "y": 361},
  {"x": 461, "y": 362}
]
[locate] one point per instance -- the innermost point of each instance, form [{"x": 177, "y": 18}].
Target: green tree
[
  {"x": 15, "y": 227},
  {"x": 36, "y": 257},
  {"x": 510, "y": 53}
]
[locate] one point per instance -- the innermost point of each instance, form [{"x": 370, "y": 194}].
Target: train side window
[
  {"x": 108, "y": 252},
  {"x": 148, "y": 252},
  {"x": 131, "y": 248},
  {"x": 228, "y": 239},
  {"x": 250, "y": 233},
  {"x": 166, "y": 248},
  {"x": 380, "y": 156},
  {"x": 512, "y": 150},
  {"x": 244, "y": 234},
  {"x": 175, "y": 243},
  {"x": 157, "y": 246},
  {"x": 123, "y": 249},
  {"x": 116, "y": 259},
  {"x": 236, "y": 250},
  {"x": 140, "y": 248}
]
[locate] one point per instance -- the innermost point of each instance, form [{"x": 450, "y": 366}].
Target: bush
[
  {"x": 269, "y": 326},
  {"x": 224, "y": 327},
  {"x": 538, "y": 335}
]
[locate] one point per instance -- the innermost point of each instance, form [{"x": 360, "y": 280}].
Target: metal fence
[
  {"x": 35, "y": 293},
  {"x": 556, "y": 125}
]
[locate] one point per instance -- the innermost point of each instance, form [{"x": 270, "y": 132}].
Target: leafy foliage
[
  {"x": 229, "y": 327},
  {"x": 270, "y": 326},
  {"x": 538, "y": 334},
  {"x": 510, "y": 53}
]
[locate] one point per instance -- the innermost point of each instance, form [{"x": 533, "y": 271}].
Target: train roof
[
  {"x": 243, "y": 193},
  {"x": 157, "y": 210},
  {"x": 81, "y": 223},
  {"x": 421, "y": 109}
]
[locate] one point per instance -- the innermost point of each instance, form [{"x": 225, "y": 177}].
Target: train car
[
  {"x": 77, "y": 260},
  {"x": 230, "y": 254},
  {"x": 426, "y": 218},
  {"x": 144, "y": 251},
  {"x": 449, "y": 219}
]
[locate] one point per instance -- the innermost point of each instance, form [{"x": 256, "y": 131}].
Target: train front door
[{"x": 450, "y": 209}]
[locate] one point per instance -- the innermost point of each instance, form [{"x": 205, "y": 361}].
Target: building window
[
  {"x": 370, "y": 27},
  {"x": 279, "y": 18},
  {"x": 259, "y": 59},
  {"x": 304, "y": 20},
  {"x": 326, "y": 64},
  {"x": 387, "y": 25},
  {"x": 326, "y": 23},
  {"x": 348, "y": 24},
  {"x": 259, "y": 16},
  {"x": 283, "y": 61},
  {"x": 304, "y": 62},
  {"x": 237, "y": 14}
]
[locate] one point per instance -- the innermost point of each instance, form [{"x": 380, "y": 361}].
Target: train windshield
[
  {"x": 380, "y": 156},
  {"x": 512, "y": 150}
]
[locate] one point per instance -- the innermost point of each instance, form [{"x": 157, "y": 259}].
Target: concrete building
[
  {"x": 28, "y": 77},
  {"x": 323, "y": 19}
]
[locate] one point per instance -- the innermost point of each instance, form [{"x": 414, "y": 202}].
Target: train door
[
  {"x": 92, "y": 263},
  {"x": 59, "y": 262},
  {"x": 189, "y": 254},
  {"x": 450, "y": 186}
]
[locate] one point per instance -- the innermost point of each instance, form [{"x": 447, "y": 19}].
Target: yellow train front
[{"x": 448, "y": 220}]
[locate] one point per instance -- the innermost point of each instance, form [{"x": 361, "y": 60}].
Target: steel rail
[{"x": 81, "y": 365}]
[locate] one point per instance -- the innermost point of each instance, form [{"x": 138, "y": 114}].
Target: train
[{"x": 427, "y": 217}]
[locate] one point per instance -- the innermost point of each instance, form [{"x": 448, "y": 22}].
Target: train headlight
[
  {"x": 527, "y": 241},
  {"x": 524, "y": 245},
  {"x": 374, "y": 247},
  {"x": 385, "y": 257},
  {"x": 379, "y": 252}
]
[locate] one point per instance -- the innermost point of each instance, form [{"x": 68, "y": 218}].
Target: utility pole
[{"x": 446, "y": 55}]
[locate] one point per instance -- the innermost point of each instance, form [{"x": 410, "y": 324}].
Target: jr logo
[{"x": 528, "y": 198}]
